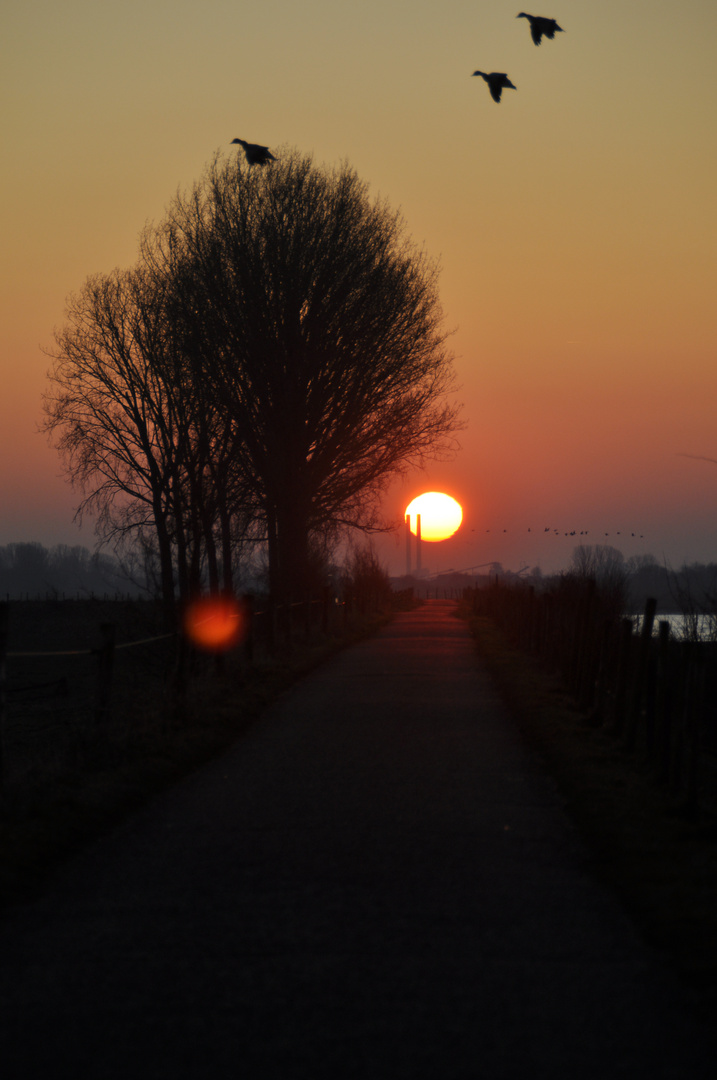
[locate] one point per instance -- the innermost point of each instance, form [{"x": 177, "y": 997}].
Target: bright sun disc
[
  {"x": 441, "y": 515},
  {"x": 214, "y": 623}
]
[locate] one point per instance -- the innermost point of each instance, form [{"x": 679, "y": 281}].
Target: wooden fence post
[
  {"x": 651, "y": 678},
  {"x": 248, "y": 612},
  {"x": 325, "y": 602},
  {"x": 581, "y": 640},
  {"x": 288, "y": 610},
  {"x": 105, "y": 656},
  {"x": 665, "y": 704},
  {"x": 4, "y": 620},
  {"x": 694, "y": 688},
  {"x": 603, "y": 672},
  {"x": 624, "y": 665},
  {"x": 639, "y": 683}
]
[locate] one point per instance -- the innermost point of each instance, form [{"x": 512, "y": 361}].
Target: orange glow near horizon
[
  {"x": 214, "y": 623},
  {"x": 441, "y": 515},
  {"x": 577, "y": 258}
]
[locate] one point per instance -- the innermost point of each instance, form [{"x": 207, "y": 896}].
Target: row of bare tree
[
  {"x": 30, "y": 569},
  {"x": 274, "y": 357}
]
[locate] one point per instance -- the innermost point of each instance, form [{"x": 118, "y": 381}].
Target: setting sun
[{"x": 441, "y": 515}]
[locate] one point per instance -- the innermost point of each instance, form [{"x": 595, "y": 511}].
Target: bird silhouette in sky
[
  {"x": 255, "y": 154},
  {"x": 540, "y": 25},
  {"x": 497, "y": 82},
  {"x": 700, "y": 457}
]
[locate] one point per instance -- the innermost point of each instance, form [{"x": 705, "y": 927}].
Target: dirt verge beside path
[{"x": 662, "y": 863}]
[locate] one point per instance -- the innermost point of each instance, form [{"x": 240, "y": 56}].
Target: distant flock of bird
[
  {"x": 540, "y": 27},
  {"x": 574, "y": 532},
  {"x": 497, "y": 81}
]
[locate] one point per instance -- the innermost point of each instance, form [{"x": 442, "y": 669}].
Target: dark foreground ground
[{"x": 377, "y": 881}]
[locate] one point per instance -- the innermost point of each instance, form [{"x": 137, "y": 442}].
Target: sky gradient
[{"x": 575, "y": 224}]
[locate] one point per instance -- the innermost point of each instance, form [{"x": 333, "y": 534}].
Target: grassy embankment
[
  {"x": 661, "y": 861},
  {"x": 63, "y": 804}
]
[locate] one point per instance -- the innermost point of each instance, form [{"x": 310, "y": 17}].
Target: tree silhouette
[
  {"x": 317, "y": 323},
  {"x": 273, "y": 359},
  {"x": 109, "y": 415},
  {"x": 144, "y": 448}
]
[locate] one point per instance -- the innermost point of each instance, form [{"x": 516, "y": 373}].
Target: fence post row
[
  {"x": 663, "y": 708},
  {"x": 277, "y": 626},
  {"x": 4, "y": 624},
  {"x": 652, "y": 694},
  {"x": 639, "y": 678}
]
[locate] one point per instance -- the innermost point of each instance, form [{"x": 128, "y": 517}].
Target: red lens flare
[{"x": 215, "y": 623}]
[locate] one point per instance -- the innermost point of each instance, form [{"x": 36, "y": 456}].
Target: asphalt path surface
[{"x": 377, "y": 881}]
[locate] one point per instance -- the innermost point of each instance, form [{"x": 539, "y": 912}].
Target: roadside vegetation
[
  {"x": 660, "y": 859},
  {"x": 68, "y": 779}
]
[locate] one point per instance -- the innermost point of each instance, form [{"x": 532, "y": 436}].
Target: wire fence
[
  {"x": 78, "y": 678},
  {"x": 655, "y": 694},
  {"x": 61, "y": 664}
]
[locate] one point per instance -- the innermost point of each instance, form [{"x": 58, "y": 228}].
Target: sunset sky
[{"x": 575, "y": 224}]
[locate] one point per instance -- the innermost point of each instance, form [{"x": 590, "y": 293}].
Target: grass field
[{"x": 68, "y": 777}]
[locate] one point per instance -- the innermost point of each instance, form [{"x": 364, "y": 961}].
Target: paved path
[{"x": 377, "y": 881}]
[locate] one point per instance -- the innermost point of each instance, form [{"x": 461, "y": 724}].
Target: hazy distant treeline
[
  {"x": 693, "y": 586},
  {"x": 30, "y": 569},
  {"x": 690, "y": 589}
]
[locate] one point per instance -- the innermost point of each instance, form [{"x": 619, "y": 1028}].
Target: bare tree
[
  {"x": 273, "y": 359},
  {"x": 317, "y": 323},
  {"x": 136, "y": 438},
  {"x": 106, "y": 412},
  {"x": 604, "y": 565}
]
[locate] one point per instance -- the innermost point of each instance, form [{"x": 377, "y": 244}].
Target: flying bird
[
  {"x": 497, "y": 82},
  {"x": 255, "y": 154},
  {"x": 540, "y": 26},
  {"x": 700, "y": 457}
]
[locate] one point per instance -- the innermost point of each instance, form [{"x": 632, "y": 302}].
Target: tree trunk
[
  {"x": 211, "y": 549},
  {"x": 273, "y": 558},
  {"x": 227, "y": 568},
  {"x": 166, "y": 566},
  {"x": 292, "y": 547}
]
